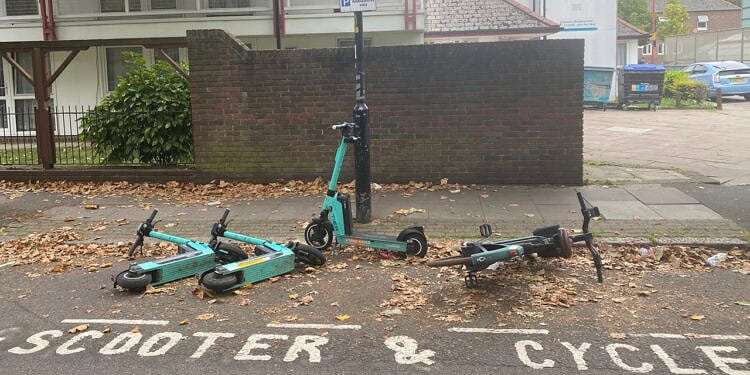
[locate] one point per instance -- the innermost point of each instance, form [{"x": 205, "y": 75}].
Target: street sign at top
[{"x": 357, "y": 5}]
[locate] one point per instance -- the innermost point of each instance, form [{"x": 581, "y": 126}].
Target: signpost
[{"x": 361, "y": 112}]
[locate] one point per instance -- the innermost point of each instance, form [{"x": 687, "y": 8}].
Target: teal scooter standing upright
[{"x": 336, "y": 216}]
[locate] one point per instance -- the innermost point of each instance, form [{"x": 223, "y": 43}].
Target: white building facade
[{"x": 94, "y": 72}]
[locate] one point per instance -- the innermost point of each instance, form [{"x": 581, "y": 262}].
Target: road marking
[
  {"x": 501, "y": 331},
  {"x": 314, "y": 326},
  {"x": 118, "y": 321},
  {"x": 690, "y": 336},
  {"x": 621, "y": 129}
]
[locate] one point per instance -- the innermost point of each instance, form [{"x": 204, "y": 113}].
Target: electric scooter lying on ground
[
  {"x": 271, "y": 259},
  {"x": 192, "y": 258},
  {"x": 547, "y": 242},
  {"x": 336, "y": 216}
]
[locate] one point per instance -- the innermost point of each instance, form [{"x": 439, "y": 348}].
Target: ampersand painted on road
[{"x": 406, "y": 351}]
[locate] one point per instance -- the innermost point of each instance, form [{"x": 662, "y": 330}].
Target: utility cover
[{"x": 357, "y": 5}]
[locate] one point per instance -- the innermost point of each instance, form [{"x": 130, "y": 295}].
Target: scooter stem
[{"x": 338, "y": 164}]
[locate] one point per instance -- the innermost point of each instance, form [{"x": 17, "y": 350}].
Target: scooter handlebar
[
  {"x": 138, "y": 242},
  {"x": 224, "y": 217},
  {"x": 152, "y": 217},
  {"x": 342, "y": 126}
]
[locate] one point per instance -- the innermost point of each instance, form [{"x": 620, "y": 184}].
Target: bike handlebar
[
  {"x": 152, "y": 217},
  {"x": 224, "y": 217}
]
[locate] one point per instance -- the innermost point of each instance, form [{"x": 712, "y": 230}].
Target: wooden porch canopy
[{"x": 43, "y": 80}]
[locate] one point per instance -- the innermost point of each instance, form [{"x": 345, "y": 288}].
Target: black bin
[{"x": 641, "y": 84}]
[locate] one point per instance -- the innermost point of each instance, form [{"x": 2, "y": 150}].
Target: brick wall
[
  {"x": 474, "y": 113},
  {"x": 718, "y": 20}
]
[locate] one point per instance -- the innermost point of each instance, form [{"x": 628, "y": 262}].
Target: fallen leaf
[
  {"x": 214, "y": 203},
  {"x": 697, "y": 317},
  {"x": 135, "y": 329},
  {"x": 107, "y": 330},
  {"x": 408, "y": 211},
  {"x": 342, "y": 317},
  {"x": 618, "y": 336},
  {"x": 742, "y": 303},
  {"x": 619, "y": 299},
  {"x": 184, "y": 322},
  {"x": 79, "y": 328},
  {"x": 206, "y": 316},
  {"x": 91, "y": 206}
]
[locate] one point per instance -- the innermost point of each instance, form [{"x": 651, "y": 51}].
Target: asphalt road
[
  {"x": 731, "y": 202},
  {"x": 636, "y": 335}
]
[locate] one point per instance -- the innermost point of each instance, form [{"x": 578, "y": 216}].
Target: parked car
[{"x": 732, "y": 77}]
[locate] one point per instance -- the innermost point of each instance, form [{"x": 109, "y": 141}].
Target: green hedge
[{"x": 679, "y": 86}]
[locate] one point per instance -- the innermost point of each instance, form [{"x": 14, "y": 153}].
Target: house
[
  {"x": 629, "y": 38},
  {"x": 94, "y": 71},
  {"x": 705, "y": 16},
  {"x": 593, "y": 21},
  {"x": 708, "y": 15},
  {"x": 453, "y": 21}
]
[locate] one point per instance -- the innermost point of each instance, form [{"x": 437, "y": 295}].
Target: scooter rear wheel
[
  {"x": 319, "y": 234},
  {"x": 219, "y": 283},
  {"x": 416, "y": 242},
  {"x": 133, "y": 282}
]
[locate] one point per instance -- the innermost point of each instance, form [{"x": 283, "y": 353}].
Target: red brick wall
[
  {"x": 474, "y": 113},
  {"x": 718, "y": 20}
]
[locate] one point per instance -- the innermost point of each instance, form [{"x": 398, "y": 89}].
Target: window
[
  {"x": 173, "y": 53},
  {"x": 702, "y": 23},
  {"x": 3, "y": 110},
  {"x": 25, "y": 115},
  {"x": 116, "y": 66},
  {"x": 163, "y": 4},
  {"x": 349, "y": 43},
  {"x": 108, "y": 6},
  {"x": 22, "y": 85},
  {"x": 662, "y": 48},
  {"x": 645, "y": 49},
  {"x": 21, "y": 7},
  {"x": 228, "y": 4}
]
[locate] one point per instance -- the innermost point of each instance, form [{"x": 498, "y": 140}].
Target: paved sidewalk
[
  {"x": 641, "y": 212},
  {"x": 708, "y": 143}
]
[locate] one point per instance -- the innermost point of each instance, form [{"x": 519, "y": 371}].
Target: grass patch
[{"x": 670, "y": 103}]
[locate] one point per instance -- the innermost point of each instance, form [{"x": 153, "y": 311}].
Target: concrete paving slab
[
  {"x": 686, "y": 212},
  {"x": 650, "y": 194},
  {"x": 606, "y": 194},
  {"x": 554, "y": 196},
  {"x": 627, "y": 210},
  {"x": 563, "y": 215}
]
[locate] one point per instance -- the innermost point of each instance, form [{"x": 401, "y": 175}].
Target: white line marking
[
  {"x": 502, "y": 331},
  {"x": 689, "y": 336},
  {"x": 621, "y": 129},
  {"x": 313, "y": 326},
  {"x": 118, "y": 321},
  {"x": 720, "y": 337},
  {"x": 666, "y": 336}
]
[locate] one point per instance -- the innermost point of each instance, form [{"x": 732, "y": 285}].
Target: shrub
[
  {"x": 145, "y": 119},
  {"x": 679, "y": 86}
]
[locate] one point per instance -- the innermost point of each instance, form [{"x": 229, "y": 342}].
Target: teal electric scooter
[
  {"x": 192, "y": 258},
  {"x": 271, "y": 259},
  {"x": 336, "y": 216}
]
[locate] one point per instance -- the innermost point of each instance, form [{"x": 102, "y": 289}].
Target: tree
[
  {"x": 677, "y": 20},
  {"x": 635, "y": 12},
  {"x": 145, "y": 119}
]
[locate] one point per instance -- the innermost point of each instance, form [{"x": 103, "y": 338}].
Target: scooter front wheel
[
  {"x": 133, "y": 282},
  {"x": 319, "y": 234},
  {"x": 219, "y": 283},
  {"x": 307, "y": 254}
]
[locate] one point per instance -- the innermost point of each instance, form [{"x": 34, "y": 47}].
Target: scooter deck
[
  {"x": 179, "y": 266},
  {"x": 259, "y": 268},
  {"x": 375, "y": 241}
]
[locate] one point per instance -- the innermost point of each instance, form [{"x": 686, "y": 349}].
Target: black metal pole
[{"x": 361, "y": 114}]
